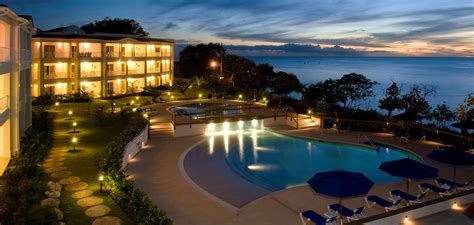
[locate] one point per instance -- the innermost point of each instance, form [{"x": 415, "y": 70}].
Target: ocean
[{"x": 452, "y": 77}]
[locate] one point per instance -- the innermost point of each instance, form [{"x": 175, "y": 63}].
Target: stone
[
  {"x": 53, "y": 202},
  {"x": 55, "y": 159},
  {"x": 61, "y": 174},
  {"x": 52, "y": 194},
  {"x": 107, "y": 220},
  {"x": 59, "y": 214},
  {"x": 97, "y": 211},
  {"x": 69, "y": 180},
  {"x": 54, "y": 186},
  {"x": 76, "y": 186},
  {"x": 89, "y": 201},
  {"x": 52, "y": 164},
  {"x": 54, "y": 169},
  {"x": 82, "y": 194}
]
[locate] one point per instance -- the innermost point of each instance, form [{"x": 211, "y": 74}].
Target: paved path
[{"x": 79, "y": 190}]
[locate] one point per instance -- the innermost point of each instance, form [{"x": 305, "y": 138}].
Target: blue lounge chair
[
  {"x": 374, "y": 199},
  {"x": 447, "y": 184},
  {"x": 396, "y": 194},
  {"x": 311, "y": 216},
  {"x": 349, "y": 214},
  {"x": 425, "y": 187}
]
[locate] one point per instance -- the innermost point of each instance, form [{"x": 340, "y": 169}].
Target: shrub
[
  {"x": 41, "y": 215},
  {"x": 133, "y": 201}
]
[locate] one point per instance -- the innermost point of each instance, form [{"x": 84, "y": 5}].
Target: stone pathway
[{"x": 55, "y": 167}]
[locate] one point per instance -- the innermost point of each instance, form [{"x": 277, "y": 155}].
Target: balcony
[
  {"x": 116, "y": 73},
  {"x": 91, "y": 73},
  {"x": 135, "y": 72},
  {"x": 4, "y": 54},
  {"x": 3, "y": 104},
  {"x": 55, "y": 75},
  {"x": 112, "y": 54},
  {"x": 53, "y": 55},
  {"x": 140, "y": 54},
  {"x": 153, "y": 54},
  {"x": 90, "y": 54},
  {"x": 153, "y": 70}
]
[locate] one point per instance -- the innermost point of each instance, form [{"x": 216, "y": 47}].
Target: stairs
[{"x": 305, "y": 121}]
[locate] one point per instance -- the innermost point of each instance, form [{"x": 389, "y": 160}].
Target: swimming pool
[
  {"x": 275, "y": 162},
  {"x": 205, "y": 109}
]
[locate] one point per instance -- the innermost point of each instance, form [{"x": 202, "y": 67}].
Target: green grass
[{"x": 92, "y": 140}]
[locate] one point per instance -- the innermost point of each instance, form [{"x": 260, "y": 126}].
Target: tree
[
  {"x": 392, "y": 100},
  {"x": 323, "y": 94},
  {"x": 465, "y": 111},
  {"x": 285, "y": 83},
  {"x": 355, "y": 87},
  {"x": 416, "y": 99},
  {"x": 194, "y": 60},
  {"x": 116, "y": 26},
  {"x": 441, "y": 114}
]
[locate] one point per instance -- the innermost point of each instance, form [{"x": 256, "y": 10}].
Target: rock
[
  {"x": 59, "y": 214},
  {"x": 54, "y": 186},
  {"x": 97, "y": 211},
  {"x": 53, "y": 202},
  {"x": 52, "y": 194}
]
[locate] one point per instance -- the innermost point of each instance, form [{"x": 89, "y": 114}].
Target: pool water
[
  {"x": 203, "y": 109},
  {"x": 274, "y": 161}
]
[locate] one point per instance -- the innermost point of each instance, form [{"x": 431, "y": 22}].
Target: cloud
[{"x": 170, "y": 25}]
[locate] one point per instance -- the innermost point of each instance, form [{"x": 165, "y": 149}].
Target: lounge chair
[
  {"x": 374, "y": 199},
  {"x": 349, "y": 214},
  {"x": 447, "y": 184},
  {"x": 426, "y": 187},
  {"x": 405, "y": 196},
  {"x": 345, "y": 126},
  {"x": 311, "y": 216}
]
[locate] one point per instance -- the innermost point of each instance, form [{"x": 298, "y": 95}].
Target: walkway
[{"x": 80, "y": 200}]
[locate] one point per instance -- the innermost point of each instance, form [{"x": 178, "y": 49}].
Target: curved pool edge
[{"x": 183, "y": 172}]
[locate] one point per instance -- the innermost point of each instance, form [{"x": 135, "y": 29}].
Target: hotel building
[
  {"x": 15, "y": 78},
  {"x": 67, "y": 60}
]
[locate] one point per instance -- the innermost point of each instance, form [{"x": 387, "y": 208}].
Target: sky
[{"x": 299, "y": 27}]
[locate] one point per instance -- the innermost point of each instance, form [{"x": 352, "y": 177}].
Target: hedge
[{"x": 134, "y": 202}]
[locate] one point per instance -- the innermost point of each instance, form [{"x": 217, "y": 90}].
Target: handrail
[{"x": 370, "y": 142}]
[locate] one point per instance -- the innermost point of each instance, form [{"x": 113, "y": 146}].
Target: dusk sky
[{"x": 431, "y": 27}]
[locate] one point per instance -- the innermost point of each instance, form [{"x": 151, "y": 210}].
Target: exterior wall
[
  {"x": 65, "y": 66},
  {"x": 15, "y": 78},
  {"x": 134, "y": 147}
]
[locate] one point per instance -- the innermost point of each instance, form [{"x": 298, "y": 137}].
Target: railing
[
  {"x": 3, "y": 103},
  {"x": 52, "y": 55},
  {"x": 116, "y": 73},
  {"x": 153, "y": 70},
  {"x": 127, "y": 54},
  {"x": 91, "y": 73},
  {"x": 112, "y": 54},
  {"x": 4, "y": 54},
  {"x": 140, "y": 54},
  {"x": 133, "y": 72},
  {"x": 153, "y": 54},
  {"x": 90, "y": 54},
  {"x": 55, "y": 75}
]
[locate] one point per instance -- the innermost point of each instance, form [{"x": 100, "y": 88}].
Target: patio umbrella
[
  {"x": 452, "y": 157},
  {"x": 409, "y": 169},
  {"x": 340, "y": 184},
  {"x": 408, "y": 116}
]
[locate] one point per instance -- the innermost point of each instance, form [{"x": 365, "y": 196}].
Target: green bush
[
  {"x": 133, "y": 201},
  {"x": 41, "y": 215}
]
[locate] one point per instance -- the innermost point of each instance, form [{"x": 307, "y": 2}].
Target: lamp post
[
  {"x": 240, "y": 97},
  {"x": 57, "y": 105},
  {"x": 101, "y": 180},
  {"x": 200, "y": 96},
  {"x": 74, "y": 126},
  {"x": 70, "y": 114},
  {"x": 74, "y": 141}
]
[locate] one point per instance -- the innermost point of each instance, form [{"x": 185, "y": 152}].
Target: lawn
[{"x": 92, "y": 139}]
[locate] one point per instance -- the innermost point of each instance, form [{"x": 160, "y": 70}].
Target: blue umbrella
[
  {"x": 409, "y": 169},
  {"x": 452, "y": 157},
  {"x": 408, "y": 116},
  {"x": 340, "y": 184}
]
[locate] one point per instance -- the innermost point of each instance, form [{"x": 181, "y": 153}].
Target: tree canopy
[
  {"x": 194, "y": 60},
  {"x": 392, "y": 100},
  {"x": 116, "y": 26}
]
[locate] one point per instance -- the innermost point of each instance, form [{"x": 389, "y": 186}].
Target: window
[
  {"x": 49, "y": 51},
  {"x": 110, "y": 67},
  {"x": 49, "y": 71},
  {"x": 109, "y": 51}
]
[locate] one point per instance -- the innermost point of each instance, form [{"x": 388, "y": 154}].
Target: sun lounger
[
  {"x": 447, "y": 184},
  {"x": 373, "y": 199},
  {"x": 425, "y": 187},
  {"x": 311, "y": 216},
  {"x": 405, "y": 196},
  {"x": 349, "y": 214}
]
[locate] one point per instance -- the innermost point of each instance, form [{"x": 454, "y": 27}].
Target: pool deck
[{"x": 156, "y": 171}]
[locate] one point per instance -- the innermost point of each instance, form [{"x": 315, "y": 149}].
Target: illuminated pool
[
  {"x": 274, "y": 161},
  {"x": 205, "y": 109}
]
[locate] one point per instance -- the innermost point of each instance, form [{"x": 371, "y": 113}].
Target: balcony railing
[
  {"x": 127, "y": 54},
  {"x": 4, "y": 54},
  {"x": 90, "y": 54},
  {"x": 153, "y": 54},
  {"x": 140, "y": 54},
  {"x": 52, "y": 55},
  {"x": 153, "y": 70},
  {"x": 112, "y": 54},
  {"x": 91, "y": 73},
  {"x": 3, "y": 103},
  {"x": 55, "y": 75},
  {"x": 133, "y": 72},
  {"x": 116, "y": 73}
]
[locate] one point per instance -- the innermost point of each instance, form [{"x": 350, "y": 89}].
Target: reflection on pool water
[
  {"x": 276, "y": 161},
  {"x": 204, "y": 109}
]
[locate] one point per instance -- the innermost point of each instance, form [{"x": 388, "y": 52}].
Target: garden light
[
  {"x": 74, "y": 126},
  {"x": 101, "y": 179},
  {"x": 70, "y": 114},
  {"x": 74, "y": 141}
]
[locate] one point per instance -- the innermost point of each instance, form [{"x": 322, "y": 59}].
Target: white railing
[
  {"x": 55, "y": 75},
  {"x": 4, "y": 54},
  {"x": 3, "y": 103},
  {"x": 90, "y": 54},
  {"x": 52, "y": 55},
  {"x": 140, "y": 54},
  {"x": 90, "y": 73},
  {"x": 153, "y": 70}
]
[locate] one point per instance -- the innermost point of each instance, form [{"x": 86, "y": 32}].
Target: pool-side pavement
[{"x": 156, "y": 171}]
